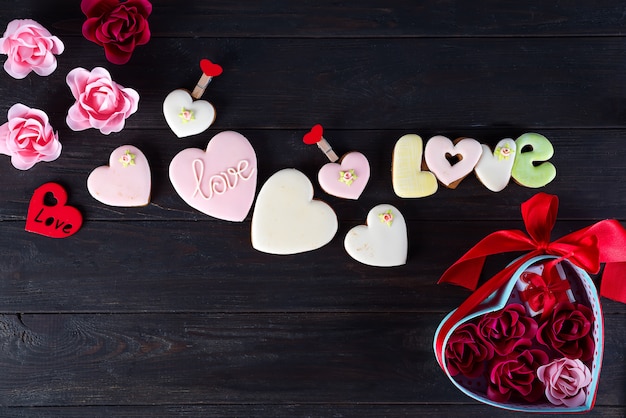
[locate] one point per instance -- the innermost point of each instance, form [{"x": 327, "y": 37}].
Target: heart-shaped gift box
[
  {"x": 511, "y": 325},
  {"x": 479, "y": 385}
]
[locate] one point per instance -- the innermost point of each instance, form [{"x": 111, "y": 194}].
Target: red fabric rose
[
  {"x": 514, "y": 376},
  {"x": 569, "y": 331},
  {"x": 466, "y": 352},
  {"x": 507, "y": 328},
  {"x": 117, "y": 25}
]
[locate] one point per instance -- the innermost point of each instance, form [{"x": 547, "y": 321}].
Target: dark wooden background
[{"x": 162, "y": 311}]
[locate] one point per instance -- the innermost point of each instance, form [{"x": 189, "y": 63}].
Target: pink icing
[
  {"x": 329, "y": 176},
  {"x": 221, "y": 181},
  {"x": 125, "y": 182},
  {"x": 435, "y": 156}
]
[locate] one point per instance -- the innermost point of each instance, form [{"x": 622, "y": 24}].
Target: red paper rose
[
  {"x": 507, "y": 328},
  {"x": 466, "y": 351},
  {"x": 117, "y": 25},
  {"x": 568, "y": 331},
  {"x": 513, "y": 376}
]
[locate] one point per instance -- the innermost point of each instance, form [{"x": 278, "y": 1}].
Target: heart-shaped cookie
[
  {"x": 49, "y": 215},
  {"x": 220, "y": 181},
  {"x": 466, "y": 150},
  {"x": 186, "y": 116},
  {"x": 286, "y": 219},
  {"x": 407, "y": 176},
  {"x": 383, "y": 242},
  {"x": 125, "y": 182},
  {"x": 346, "y": 179},
  {"x": 535, "y": 356},
  {"x": 494, "y": 168}
]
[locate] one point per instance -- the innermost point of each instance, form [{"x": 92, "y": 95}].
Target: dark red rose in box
[
  {"x": 507, "y": 328},
  {"x": 569, "y": 331},
  {"x": 467, "y": 352},
  {"x": 118, "y": 26},
  {"x": 514, "y": 376}
]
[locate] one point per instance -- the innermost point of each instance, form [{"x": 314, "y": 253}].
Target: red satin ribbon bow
[
  {"x": 545, "y": 290},
  {"x": 602, "y": 242}
]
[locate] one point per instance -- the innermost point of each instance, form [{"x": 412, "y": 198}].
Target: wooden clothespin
[
  {"x": 315, "y": 136},
  {"x": 209, "y": 70}
]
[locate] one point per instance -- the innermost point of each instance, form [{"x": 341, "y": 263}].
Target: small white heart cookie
[
  {"x": 186, "y": 116},
  {"x": 383, "y": 242},
  {"x": 467, "y": 150},
  {"x": 494, "y": 168},
  {"x": 286, "y": 219},
  {"x": 125, "y": 182}
]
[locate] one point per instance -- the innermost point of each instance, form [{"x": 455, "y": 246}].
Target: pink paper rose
[
  {"x": 101, "y": 103},
  {"x": 568, "y": 330},
  {"x": 513, "y": 376},
  {"x": 565, "y": 381},
  {"x": 466, "y": 352},
  {"x": 28, "y": 137},
  {"x": 29, "y": 47},
  {"x": 117, "y": 25},
  {"x": 507, "y": 328}
]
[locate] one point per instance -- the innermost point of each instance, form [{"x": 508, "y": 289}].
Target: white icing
[
  {"x": 202, "y": 113},
  {"x": 494, "y": 168},
  {"x": 286, "y": 219},
  {"x": 379, "y": 243}
]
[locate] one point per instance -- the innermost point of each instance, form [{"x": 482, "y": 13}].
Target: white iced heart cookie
[
  {"x": 467, "y": 150},
  {"x": 383, "y": 242},
  {"x": 220, "y": 181},
  {"x": 494, "y": 169},
  {"x": 125, "y": 182},
  {"x": 346, "y": 179},
  {"x": 286, "y": 219},
  {"x": 186, "y": 116}
]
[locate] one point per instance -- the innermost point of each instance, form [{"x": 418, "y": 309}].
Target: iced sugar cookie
[
  {"x": 383, "y": 242},
  {"x": 439, "y": 149},
  {"x": 407, "y": 176},
  {"x": 346, "y": 179},
  {"x": 125, "y": 182},
  {"x": 286, "y": 219},
  {"x": 221, "y": 181},
  {"x": 184, "y": 113},
  {"x": 494, "y": 168},
  {"x": 531, "y": 168}
]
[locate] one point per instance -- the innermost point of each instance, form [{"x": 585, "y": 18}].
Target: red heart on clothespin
[
  {"x": 49, "y": 215},
  {"x": 314, "y": 135},
  {"x": 210, "y": 69}
]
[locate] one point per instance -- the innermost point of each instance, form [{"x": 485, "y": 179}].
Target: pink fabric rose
[
  {"x": 28, "y": 137},
  {"x": 568, "y": 330},
  {"x": 101, "y": 103},
  {"x": 29, "y": 47},
  {"x": 513, "y": 376},
  {"x": 507, "y": 328},
  {"x": 565, "y": 381},
  {"x": 466, "y": 352},
  {"x": 117, "y": 25}
]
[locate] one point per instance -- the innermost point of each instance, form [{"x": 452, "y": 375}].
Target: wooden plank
[
  {"x": 355, "y": 18},
  {"x": 590, "y": 166},
  {"x": 165, "y": 359},
  {"x": 212, "y": 267},
  {"x": 403, "y": 84},
  {"x": 361, "y": 410}
]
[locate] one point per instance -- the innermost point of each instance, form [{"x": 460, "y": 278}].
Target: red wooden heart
[
  {"x": 210, "y": 69},
  {"x": 52, "y": 219},
  {"x": 314, "y": 135}
]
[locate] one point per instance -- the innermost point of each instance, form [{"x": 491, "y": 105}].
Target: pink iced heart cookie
[
  {"x": 125, "y": 182},
  {"x": 439, "y": 149},
  {"x": 286, "y": 218},
  {"x": 186, "y": 116},
  {"x": 535, "y": 345},
  {"x": 346, "y": 179},
  {"x": 221, "y": 181}
]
